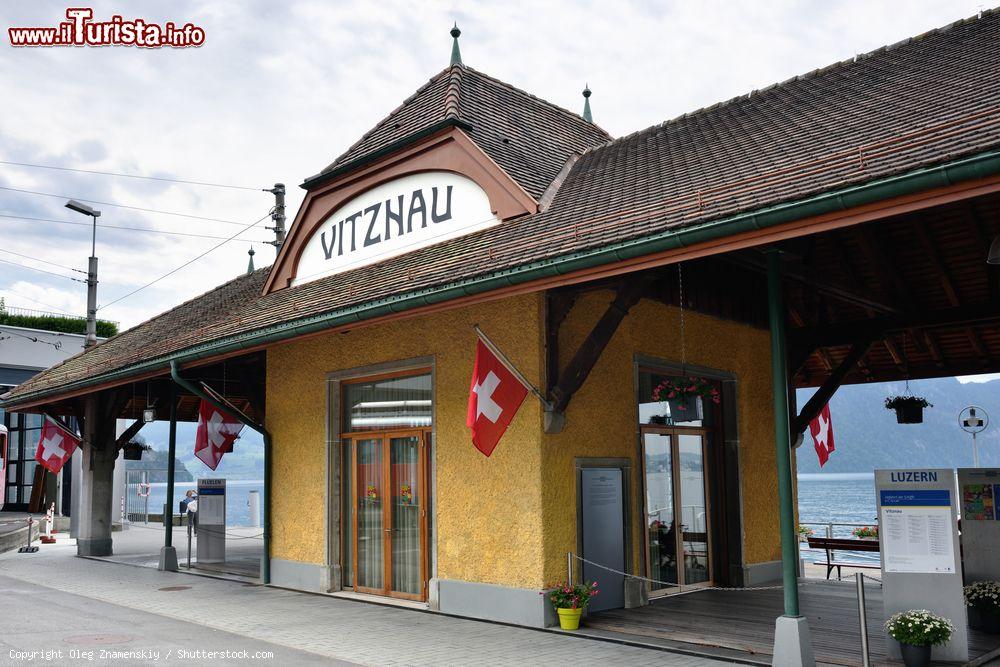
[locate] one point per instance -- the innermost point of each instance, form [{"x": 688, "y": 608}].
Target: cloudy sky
[{"x": 280, "y": 89}]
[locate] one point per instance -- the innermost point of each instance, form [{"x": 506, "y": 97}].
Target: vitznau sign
[{"x": 392, "y": 219}]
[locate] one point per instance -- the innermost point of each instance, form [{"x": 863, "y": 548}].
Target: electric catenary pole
[{"x": 91, "y": 338}]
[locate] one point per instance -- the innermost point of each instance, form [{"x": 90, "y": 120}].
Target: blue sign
[{"x": 916, "y": 498}]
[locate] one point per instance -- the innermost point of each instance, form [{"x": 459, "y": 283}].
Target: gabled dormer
[{"x": 465, "y": 152}]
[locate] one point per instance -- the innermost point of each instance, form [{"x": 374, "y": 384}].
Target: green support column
[
  {"x": 168, "y": 554},
  {"x": 782, "y": 443}
]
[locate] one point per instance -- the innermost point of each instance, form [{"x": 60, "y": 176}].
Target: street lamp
[
  {"x": 91, "y": 338},
  {"x": 973, "y": 419}
]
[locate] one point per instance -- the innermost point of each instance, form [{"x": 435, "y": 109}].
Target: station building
[{"x": 831, "y": 228}]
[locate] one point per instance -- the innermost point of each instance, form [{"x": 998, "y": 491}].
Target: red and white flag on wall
[
  {"x": 217, "y": 431},
  {"x": 821, "y": 429},
  {"x": 55, "y": 446},
  {"x": 495, "y": 395}
]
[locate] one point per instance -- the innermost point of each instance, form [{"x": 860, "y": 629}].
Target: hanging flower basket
[
  {"x": 133, "y": 450},
  {"x": 909, "y": 409},
  {"x": 684, "y": 397}
]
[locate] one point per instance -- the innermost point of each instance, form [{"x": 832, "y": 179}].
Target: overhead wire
[
  {"x": 43, "y": 261},
  {"x": 32, "y": 268},
  {"x": 187, "y": 263},
  {"x": 123, "y": 228},
  {"x": 121, "y": 175},
  {"x": 116, "y": 205}
]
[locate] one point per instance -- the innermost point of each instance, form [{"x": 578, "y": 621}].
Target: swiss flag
[
  {"x": 494, "y": 398},
  {"x": 55, "y": 446},
  {"x": 217, "y": 430},
  {"x": 821, "y": 429}
]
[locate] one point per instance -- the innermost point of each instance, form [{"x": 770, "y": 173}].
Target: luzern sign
[{"x": 392, "y": 219}]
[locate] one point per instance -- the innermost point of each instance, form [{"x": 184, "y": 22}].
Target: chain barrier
[
  {"x": 229, "y": 535},
  {"x": 802, "y": 581}
]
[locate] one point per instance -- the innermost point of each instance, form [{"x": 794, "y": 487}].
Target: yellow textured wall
[
  {"x": 602, "y": 418},
  {"x": 489, "y": 510}
]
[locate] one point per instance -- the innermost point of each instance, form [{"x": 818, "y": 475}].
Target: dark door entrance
[{"x": 603, "y": 534}]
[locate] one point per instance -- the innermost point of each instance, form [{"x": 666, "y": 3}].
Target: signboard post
[
  {"x": 211, "y": 521},
  {"x": 979, "y": 490},
  {"x": 918, "y": 538}
]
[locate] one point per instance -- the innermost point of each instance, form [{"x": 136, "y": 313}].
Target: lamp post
[
  {"x": 973, "y": 419},
  {"x": 91, "y": 338}
]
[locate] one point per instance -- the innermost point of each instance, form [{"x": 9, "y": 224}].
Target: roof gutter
[{"x": 975, "y": 167}]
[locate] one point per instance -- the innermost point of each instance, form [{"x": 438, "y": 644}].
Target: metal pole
[
  {"x": 91, "y": 334},
  {"x": 171, "y": 454},
  {"x": 569, "y": 568},
  {"x": 975, "y": 451},
  {"x": 782, "y": 443},
  {"x": 862, "y": 618},
  {"x": 278, "y": 216},
  {"x": 189, "y": 539}
]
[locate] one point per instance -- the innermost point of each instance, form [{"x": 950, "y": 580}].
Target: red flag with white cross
[
  {"x": 494, "y": 398},
  {"x": 821, "y": 429},
  {"x": 55, "y": 446},
  {"x": 217, "y": 431}
]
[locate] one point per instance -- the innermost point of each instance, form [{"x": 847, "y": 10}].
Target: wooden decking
[{"x": 744, "y": 621}]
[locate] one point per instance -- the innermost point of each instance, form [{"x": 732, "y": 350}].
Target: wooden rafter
[{"x": 836, "y": 378}]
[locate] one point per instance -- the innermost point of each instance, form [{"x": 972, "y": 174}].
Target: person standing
[{"x": 190, "y": 507}]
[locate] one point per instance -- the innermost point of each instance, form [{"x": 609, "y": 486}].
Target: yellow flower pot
[{"x": 569, "y": 619}]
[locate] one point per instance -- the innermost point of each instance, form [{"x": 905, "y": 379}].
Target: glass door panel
[
  {"x": 660, "y": 521},
  {"x": 370, "y": 563},
  {"x": 404, "y": 453},
  {"x": 693, "y": 508}
]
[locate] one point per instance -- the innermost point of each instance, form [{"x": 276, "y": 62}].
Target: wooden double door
[{"x": 386, "y": 531}]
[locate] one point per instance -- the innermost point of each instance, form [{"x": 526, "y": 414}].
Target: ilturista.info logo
[{"x": 80, "y": 29}]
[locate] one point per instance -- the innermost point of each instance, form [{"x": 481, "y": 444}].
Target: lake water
[
  {"x": 837, "y": 498},
  {"x": 237, "y": 498}
]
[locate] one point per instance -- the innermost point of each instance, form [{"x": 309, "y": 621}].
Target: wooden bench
[{"x": 834, "y": 544}]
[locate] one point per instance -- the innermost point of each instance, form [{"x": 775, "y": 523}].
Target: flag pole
[{"x": 510, "y": 366}]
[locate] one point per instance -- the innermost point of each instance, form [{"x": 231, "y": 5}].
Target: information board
[
  {"x": 918, "y": 541},
  {"x": 212, "y": 502},
  {"x": 916, "y": 530}
]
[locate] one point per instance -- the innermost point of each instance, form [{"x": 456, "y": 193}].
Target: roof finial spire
[
  {"x": 250, "y": 263},
  {"x": 456, "y": 55},
  {"x": 586, "y": 104}
]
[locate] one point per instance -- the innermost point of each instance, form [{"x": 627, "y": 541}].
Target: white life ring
[{"x": 142, "y": 490}]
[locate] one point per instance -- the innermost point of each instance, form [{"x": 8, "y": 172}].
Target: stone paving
[{"x": 343, "y": 629}]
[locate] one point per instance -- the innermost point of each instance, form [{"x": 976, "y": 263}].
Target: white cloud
[{"x": 280, "y": 89}]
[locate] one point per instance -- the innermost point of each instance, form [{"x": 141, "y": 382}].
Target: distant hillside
[
  {"x": 246, "y": 461},
  {"x": 868, "y": 437},
  {"x": 157, "y": 462}
]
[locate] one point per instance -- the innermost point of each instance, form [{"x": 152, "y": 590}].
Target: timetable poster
[{"x": 916, "y": 531}]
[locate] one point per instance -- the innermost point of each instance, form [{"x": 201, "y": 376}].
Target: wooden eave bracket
[
  {"x": 565, "y": 384},
  {"x": 826, "y": 391}
]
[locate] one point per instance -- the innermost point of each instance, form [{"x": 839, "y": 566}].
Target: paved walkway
[{"x": 339, "y": 629}]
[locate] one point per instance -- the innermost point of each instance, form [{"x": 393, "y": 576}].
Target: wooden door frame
[
  {"x": 385, "y": 438},
  {"x": 673, "y": 432}
]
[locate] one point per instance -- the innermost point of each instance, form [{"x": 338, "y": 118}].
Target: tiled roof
[
  {"x": 529, "y": 138},
  {"x": 929, "y": 100}
]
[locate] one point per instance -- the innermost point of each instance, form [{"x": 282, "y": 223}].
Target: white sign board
[
  {"x": 918, "y": 538},
  {"x": 392, "y": 219},
  {"x": 212, "y": 502},
  {"x": 916, "y": 528}
]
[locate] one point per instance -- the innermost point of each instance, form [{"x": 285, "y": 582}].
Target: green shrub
[{"x": 70, "y": 325}]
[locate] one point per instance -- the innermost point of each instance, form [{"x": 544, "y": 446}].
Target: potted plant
[
  {"x": 134, "y": 449},
  {"x": 805, "y": 532},
  {"x": 917, "y": 631},
  {"x": 983, "y": 600},
  {"x": 866, "y": 532},
  {"x": 570, "y": 600},
  {"x": 684, "y": 396},
  {"x": 909, "y": 409}
]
